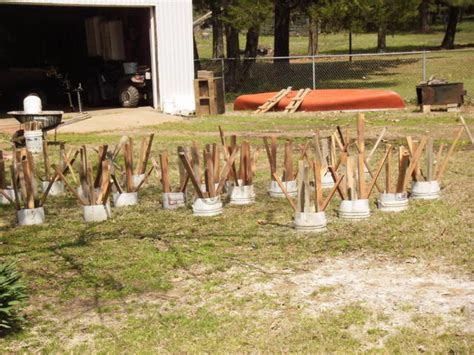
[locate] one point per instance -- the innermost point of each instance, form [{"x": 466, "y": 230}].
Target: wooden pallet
[
  {"x": 273, "y": 101},
  {"x": 297, "y": 100}
]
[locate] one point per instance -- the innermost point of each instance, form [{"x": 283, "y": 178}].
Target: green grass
[{"x": 167, "y": 281}]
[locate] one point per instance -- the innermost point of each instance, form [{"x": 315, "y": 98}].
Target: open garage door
[{"x": 104, "y": 54}]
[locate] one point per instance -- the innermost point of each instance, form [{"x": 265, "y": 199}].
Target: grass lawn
[{"x": 151, "y": 280}]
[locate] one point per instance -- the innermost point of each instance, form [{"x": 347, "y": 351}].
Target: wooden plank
[
  {"x": 374, "y": 148},
  {"x": 300, "y": 187},
  {"x": 340, "y": 189},
  {"x": 297, "y": 100},
  {"x": 369, "y": 170},
  {"x": 13, "y": 174},
  {"x": 402, "y": 169},
  {"x": 318, "y": 188},
  {"x": 269, "y": 155},
  {"x": 307, "y": 189},
  {"x": 285, "y": 191},
  {"x": 442, "y": 169},
  {"x": 128, "y": 159},
  {"x": 273, "y": 101},
  {"x": 190, "y": 172},
  {"x": 27, "y": 178},
  {"x": 165, "y": 172},
  {"x": 331, "y": 194},
  {"x": 388, "y": 175},
  {"x": 377, "y": 172},
  {"x": 414, "y": 161},
  {"x": 145, "y": 178},
  {"x": 196, "y": 163},
  {"x": 466, "y": 128},
  {"x": 69, "y": 187},
  {"x": 438, "y": 159},
  {"x": 429, "y": 159},
  {"x": 351, "y": 183},
  {"x": 288, "y": 161},
  {"x": 209, "y": 175},
  {"x": 226, "y": 169},
  {"x": 104, "y": 183},
  {"x": 101, "y": 157}
]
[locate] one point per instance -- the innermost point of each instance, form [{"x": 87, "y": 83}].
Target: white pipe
[{"x": 154, "y": 66}]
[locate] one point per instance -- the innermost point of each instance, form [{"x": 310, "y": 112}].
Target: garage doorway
[{"x": 50, "y": 50}]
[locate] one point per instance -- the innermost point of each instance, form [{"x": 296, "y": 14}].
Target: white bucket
[
  {"x": 97, "y": 191},
  {"x": 32, "y": 104},
  {"x": 130, "y": 67},
  {"x": 291, "y": 188},
  {"x": 327, "y": 181},
  {"x": 57, "y": 189},
  {"x": 390, "y": 202},
  {"x": 354, "y": 209},
  {"x": 34, "y": 141},
  {"x": 96, "y": 213},
  {"x": 173, "y": 200},
  {"x": 310, "y": 221},
  {"x": 207, "y": 207},
  {"x": 30, "y": 216},
  {"x": 425, "y": 190},
  {"x": 125, "y": 199},
  {"x": 242, "y": 195},
  {"x": 137, "y": 179},
  {"x": 10, "y": 193},
  {"x": 169, "y": 106}
]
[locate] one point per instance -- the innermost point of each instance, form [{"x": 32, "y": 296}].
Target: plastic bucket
[
  {"x": 390, "y": 202},
  {"x": 130, "y": 67},
  {"x": 34, "y": 141},
  {"x": 354, "y": 209},
  {"x": 30, "y": 216},
  {"x": 57, "y": 189},
  {"x": 10, "y": 193},
  {"x": 275, "y": 191},
  {"x": 425, "y": 190},
  {"x": 96, "y": 213},
  {"x": 32, "y": 104},
  {"x": 173, "y": 200},
  {"x": 310, "y": 221},
  {"x": 207, "y": 207},
  {"x": 242, "y": 195},
  {"x": 125, "y": 199},
  {"x": 137, "y": 179},
  {"x": 327, "y": 181}
]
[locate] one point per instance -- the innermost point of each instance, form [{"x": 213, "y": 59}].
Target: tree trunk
[
  {"x": 217, "y": 29},
  {"x": 197, "y": 63},
  {"x": 233, "y": 55},
  {"x": 313, "y": 36},
  {"x": 453, "y": 16},
  {"x": 251, "y": 48},
  {"x": 381, "y": 38},
  {"x": 281, "y": 42},
  {"x": 424, "y": 16}
]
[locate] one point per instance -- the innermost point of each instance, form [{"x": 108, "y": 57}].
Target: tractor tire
[{"x": 129, "y": 96}]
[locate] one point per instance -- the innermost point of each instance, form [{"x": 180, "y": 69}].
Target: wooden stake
[
  {"x": 209, "y": 174},
  {"x": 414, "y": 161},
  {"x": 318, "y": 189},
  {"x": 164, "y": 172},
  {"x": 438, "y": 159},
  {"x": 69, "y": 187},
  {"x": 442, "y": 169},
  {"x": 340, "y": 189},
  {"x": 145, "y": 178},
  {"x": 46, "y": 160},
  {"x": 388, "y": 175},
  {"x": 402, "y": 169},
  {"x": 335, "y": 188},
  {"x": 190, "y": 172},
  {"x": 225, "y": 171},
  {"x": 14, "y": 185},
  {"x": 288, "y": 161},
  {"x": 429, "y": 159},
  {"x": 377, "y": 172},
  {"x": 285, "y": 192},
  {"x": 300, "y": 187},
  {"x": 469, "y": 134},
  {"x": 374, "y": 148}
]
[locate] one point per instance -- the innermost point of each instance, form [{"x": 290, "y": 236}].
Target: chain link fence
[{"x": 400, "y": 72}]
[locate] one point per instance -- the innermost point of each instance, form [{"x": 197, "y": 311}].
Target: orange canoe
[{"x": 328, "y": 100}]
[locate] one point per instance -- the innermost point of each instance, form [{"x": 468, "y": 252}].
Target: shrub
[{"x": 12, "y": 297}]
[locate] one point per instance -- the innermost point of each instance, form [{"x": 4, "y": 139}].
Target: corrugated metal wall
[{"x": 174, "y": 23}]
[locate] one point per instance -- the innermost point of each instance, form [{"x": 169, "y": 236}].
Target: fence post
[
  {"x": 314, "y": 73},
  {"x": 424, "y": 67},
  {"x": 223, "y": 74}
]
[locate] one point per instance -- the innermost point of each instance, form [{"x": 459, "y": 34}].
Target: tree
[
  {"x": 452, "y": 19},
  {"x": 389, "y": 16},
  {"x": 281, "y": 39},
  {"x": 216, "y": 6}
]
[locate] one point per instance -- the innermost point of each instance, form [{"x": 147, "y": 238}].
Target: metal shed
[{"x": 171, "y": 45}]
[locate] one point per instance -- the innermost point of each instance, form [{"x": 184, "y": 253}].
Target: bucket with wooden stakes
[
  {"x": 395, "y": 198},
  {"x": 309, "y": 212},
  {"x": 244, "y": 193},
  {"x": 288, "y": 176},
  {"x": 26, "y": 200},
  {"x": 428, "y": 187},
  {"x": 57, "y": 187},
  {"x": 127, "y": 193},
  {"x": 355, "y": 204},
  {"x": 207, "y": 202},
  {"x": 325, "y": 154},
  {"x": 171, "y": 199}
]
